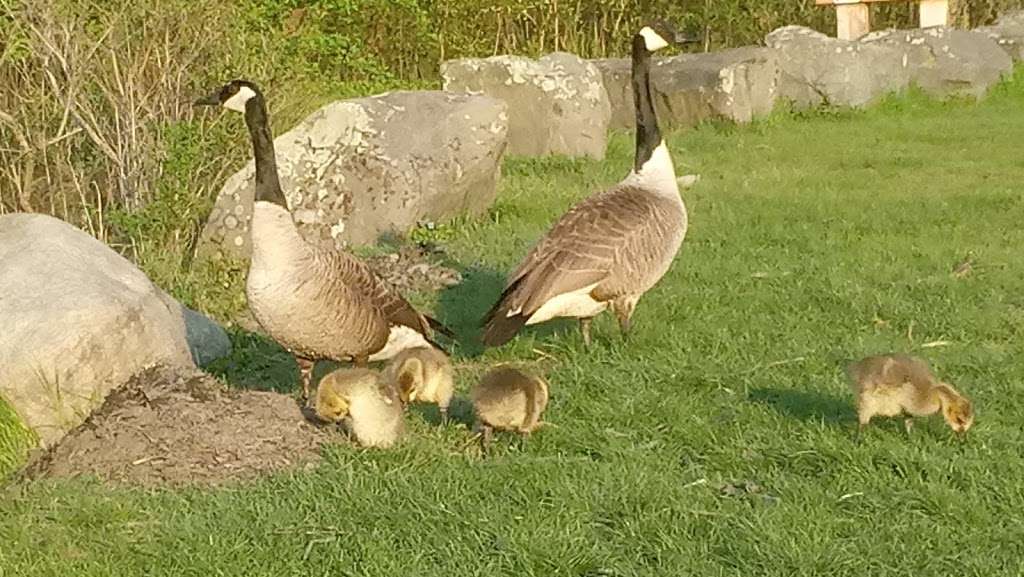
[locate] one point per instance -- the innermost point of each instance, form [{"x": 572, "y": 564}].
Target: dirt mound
[
  {"x": 414, "y": 268},
  {"x": 166, "y": 427}
]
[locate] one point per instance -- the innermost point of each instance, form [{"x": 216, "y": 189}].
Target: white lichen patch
[{"x": 337, "y": 229}]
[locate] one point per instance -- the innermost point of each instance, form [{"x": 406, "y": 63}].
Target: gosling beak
[{"x": 211, "y": 100}]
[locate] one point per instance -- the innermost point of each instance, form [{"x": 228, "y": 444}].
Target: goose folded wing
[
  {"x": 582, "y": 249},
  {"x": 379, "y": 293}
]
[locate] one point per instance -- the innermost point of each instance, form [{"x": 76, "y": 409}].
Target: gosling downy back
[
  {"x": 509, "y": 399},
  {"x": 371, "y": 409},
  {"x": 611, "y": 248},
  {"x": 890, "y": 370},
  {"x": 422, "y": 374},
  {"x": 895, "y": 384}
]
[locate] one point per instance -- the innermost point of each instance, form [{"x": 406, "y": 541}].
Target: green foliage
[
  {"x": 15, "y": 441},
  {"x": 432, "y": 233}
]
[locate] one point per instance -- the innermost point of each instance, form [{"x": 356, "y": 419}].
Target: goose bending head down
[
  {"x": 612, "y": 247},
  {"x": 318, "y": 303}
]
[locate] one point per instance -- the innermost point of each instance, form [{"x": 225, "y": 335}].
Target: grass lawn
[{"x": 718, "y": 439}]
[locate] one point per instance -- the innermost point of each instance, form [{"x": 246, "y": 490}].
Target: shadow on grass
[
  {"x": 258, "y": 363},
  {"x": 806, "y": 405},
  {"x": 462, "y": 308},
  {"x": 460, "y": 411}
]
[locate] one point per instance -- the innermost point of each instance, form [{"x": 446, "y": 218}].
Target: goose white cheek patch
[
  {"x": 652, "y": 39},
  {"x": 238, "y": 100}
]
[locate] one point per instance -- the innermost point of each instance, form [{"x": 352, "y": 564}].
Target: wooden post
[
  {"x": 933, "y": 13},
  {"x": 853, "y": 21}
]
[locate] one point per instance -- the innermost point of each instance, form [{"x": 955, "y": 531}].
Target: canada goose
[
  {"x": 611, "y": 248},
  {"x": 422, "y": 374},
  {"x": 895, "y": 384},
  {"x": 371, "y": 410},
  {"x": 318, "y": 303},
  {"x": 508, "y": 399}
]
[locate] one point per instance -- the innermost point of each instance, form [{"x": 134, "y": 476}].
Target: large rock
[
  {"x": 738, "y": 85},
  {"x": 78, "y": 320},
  {"x": 556, "y": 105},
  {"x": 1008, "y": 33},
  {"x": 358, "y": 168},
  {"x": 817, "y": 69},
  {"x": 945, "y": 61}
]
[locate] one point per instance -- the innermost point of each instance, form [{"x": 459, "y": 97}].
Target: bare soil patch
[
  {"x": 415, "y": 268},
  {"x": 168, "y": 427}
]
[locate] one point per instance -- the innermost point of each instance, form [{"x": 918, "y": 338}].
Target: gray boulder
[
  {"x": 356, "y": 169},
  {"x": 556, "y": 105},
  {"x": 738, "y": 85},
  {"x": 80, "y": 320},
  {"x": 945, "y": 61},
  {"x": 1008, "y": 33},
  {"x": 816, "y": 69}
]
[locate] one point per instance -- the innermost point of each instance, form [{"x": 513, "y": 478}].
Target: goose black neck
[
  {"x": 268, "y": 186},
  {"x": 648, "y": 135}
]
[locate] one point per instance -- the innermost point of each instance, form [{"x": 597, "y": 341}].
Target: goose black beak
[{"x": 211, "y": 100}]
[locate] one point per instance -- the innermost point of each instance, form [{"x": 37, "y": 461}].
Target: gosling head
[
  {"x": 659, "y": 34},
  {"x": 409, "y": 381},
  {"x": 234, "y": 95},
  {"x": 332, "y": 408},
  {"x": 959, "y": 414}
]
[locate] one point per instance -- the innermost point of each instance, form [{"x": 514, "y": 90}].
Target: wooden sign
[{"x": 853, "y": 18}]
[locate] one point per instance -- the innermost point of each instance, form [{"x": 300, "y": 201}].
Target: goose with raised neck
[
  {"x": 611, "y": 248},
  {"x": 319, "y": 303}
]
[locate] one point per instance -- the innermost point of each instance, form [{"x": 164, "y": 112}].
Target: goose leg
[
  {"x": 361, "y": 360},
  {"x": 908, "y": 424},
  {"x": 624, "y": 308},
  {"x": 485, "y": 437},
  {"x": 305, "y": 374},
  {"x": 585, "y": 331}
]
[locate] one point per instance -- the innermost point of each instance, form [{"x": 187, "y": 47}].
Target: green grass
[
  {"x": 813, "y": 239},
  {"x": 15, "y": 440}
]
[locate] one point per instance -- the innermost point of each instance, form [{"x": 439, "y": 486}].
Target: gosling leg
[{"x": 305, "y": 375}]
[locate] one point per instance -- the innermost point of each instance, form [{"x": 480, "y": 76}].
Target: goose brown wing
[
  {"x": 380, "y": 294},
  {"x": 585, "y": 247}
]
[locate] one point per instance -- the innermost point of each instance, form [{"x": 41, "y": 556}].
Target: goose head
[
  {"x": 659, "y": 34},
  {"x": 234, "y": 95}
]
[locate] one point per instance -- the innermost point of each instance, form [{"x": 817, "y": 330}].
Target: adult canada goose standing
[
  {"x": 318, "y": 303},
  {"x": 611, "y": 248}
]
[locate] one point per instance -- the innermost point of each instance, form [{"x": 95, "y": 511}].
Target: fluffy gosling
[
  {"x": 895, "y": 384},
  {"x": 371, "y": 411},
  {"x": 422, "y": 374},
  {"x": 508, "y": 399}
]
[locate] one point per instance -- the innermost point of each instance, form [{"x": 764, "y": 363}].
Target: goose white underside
[
  {"x": 575, "y": 304},
  {"x": 400, "y": 338}
]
